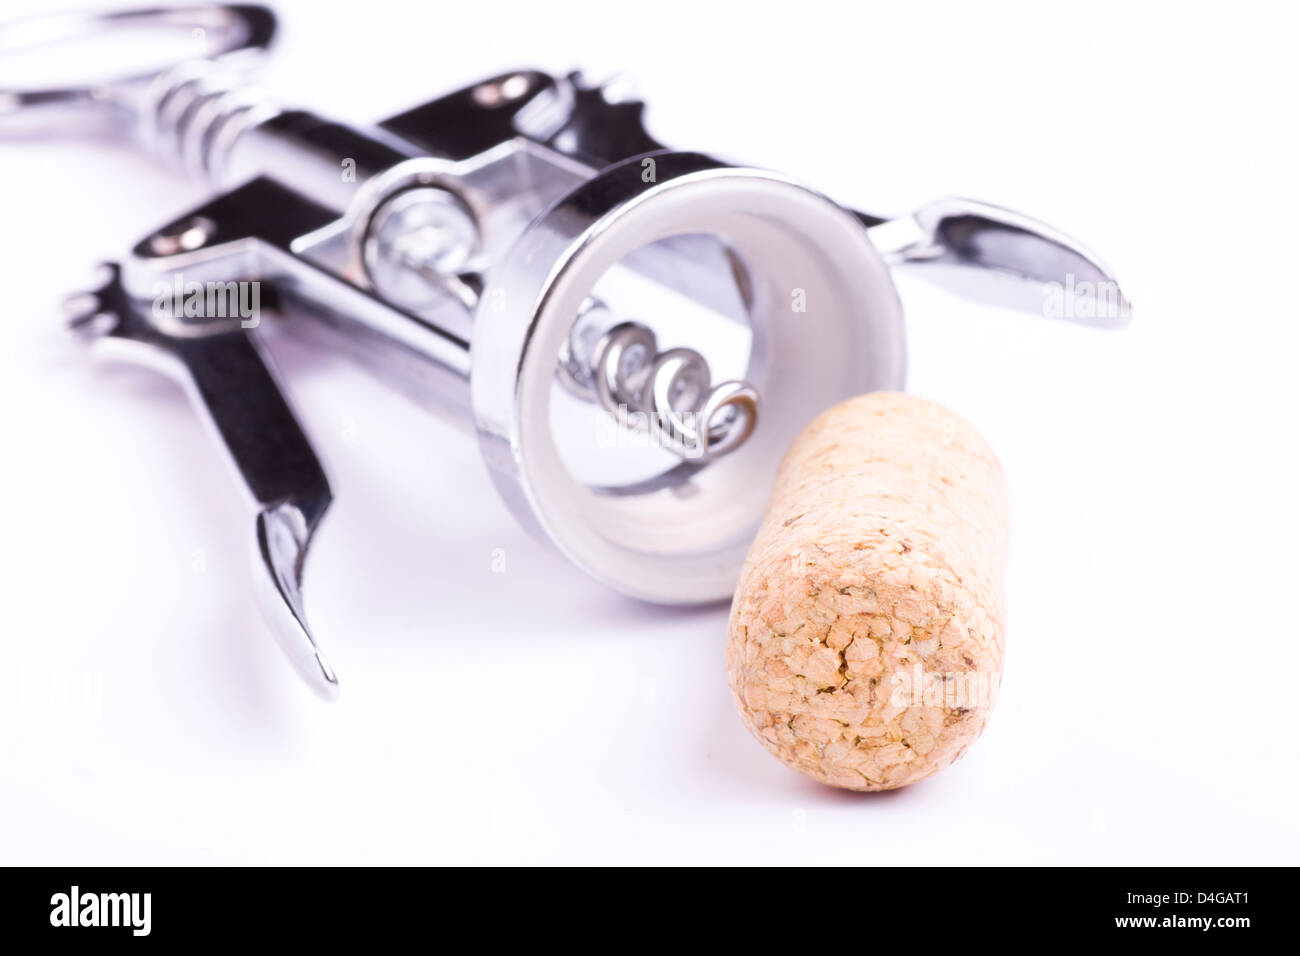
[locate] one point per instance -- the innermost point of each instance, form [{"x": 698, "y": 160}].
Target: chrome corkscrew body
[{"x": 521, "y": 256}]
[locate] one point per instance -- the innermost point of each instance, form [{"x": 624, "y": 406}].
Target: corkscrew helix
[{"x": 485, "y": 251}]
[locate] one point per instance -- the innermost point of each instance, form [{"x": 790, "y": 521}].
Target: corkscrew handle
[{"x": 234, "y": 33}]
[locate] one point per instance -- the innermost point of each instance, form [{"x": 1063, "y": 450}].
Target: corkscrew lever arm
[
  {"x": 231, "y": 384},
  {"x": 1000, "y": 257}
]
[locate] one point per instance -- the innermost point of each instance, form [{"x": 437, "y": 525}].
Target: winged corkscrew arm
[
  {"x": 227, "y": 376},
  {"x": 1031, "y": 265}
]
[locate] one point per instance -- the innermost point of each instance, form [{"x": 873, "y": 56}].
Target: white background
[{"x": 1148, "y": 711}]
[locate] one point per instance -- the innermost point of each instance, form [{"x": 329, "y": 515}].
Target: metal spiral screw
[
  {"x": 195, "y": 111},
  {"x": 668, "y": 394}
]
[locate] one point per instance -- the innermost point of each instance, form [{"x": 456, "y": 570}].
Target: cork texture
[{"x": 865, "y": 641}]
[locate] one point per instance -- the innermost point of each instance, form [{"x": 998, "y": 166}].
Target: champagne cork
[{"x": 865, "y": 642}]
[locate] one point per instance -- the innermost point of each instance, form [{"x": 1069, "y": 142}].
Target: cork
[{"x": 865, "y": 642}]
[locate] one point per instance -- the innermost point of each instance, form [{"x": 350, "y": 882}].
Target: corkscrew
[{"x": 632, "y": 333}]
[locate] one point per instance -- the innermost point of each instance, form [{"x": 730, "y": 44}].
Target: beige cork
[{"x": 865, "y": 642}]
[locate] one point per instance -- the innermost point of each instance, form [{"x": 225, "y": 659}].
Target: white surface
[{"x": 1148, "y": 709}]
